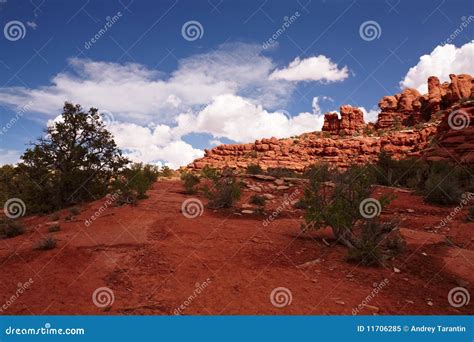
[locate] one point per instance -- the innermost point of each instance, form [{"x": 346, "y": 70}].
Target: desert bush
[
  {"x": 254, "y": 169},
  {"x": 190, "y": 181},
  {"x": 470, "y": 214},
  {"x": 132, "y": 183},
  {"x": 54, "y": 217},
  {"x": 209, "y": 172},
  {"x": 75, "y": 211},
  {"x": 223, "y": 192},
  {"x": 409, "y": 172},
  {"x": 10, "y": 228},
  {"x": 301, "y": 204},
  {"x": 54, "y": 228},
  {"x": 46, "y": 244},
  {"x": 281, "y": 172},
  {"x": 340, "y": 209},
  {"x": 318, "y": 172},
  {"x": 166, "y": 172},
  {"x": 257, "y": 200},
  {"x": 442, "y": 189}
]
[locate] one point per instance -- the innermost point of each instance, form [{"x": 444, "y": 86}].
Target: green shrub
[
  {"x": 257, "y": 200},
  {"x": 340, "y": 208},
  {"x": 54, "y": 228},
  {"x": 54, "y": 217},
  {"x": 254, "y": 169},
  {"x": 190, "y": 181},
  {"x": 209, "y": 172},
  {"x": 10, "y": 228},
  {"x": 318, "y": 172},
  {"x": 223, "y": 193},
  {"x": 133, "y": 182},
  {"x": 410, "y": 172},
  {"x": 442, "y": 189},
  {"x": 46, "y": 244},
  {"x": 166, "y": 172},
  {"x": 301, "y": 204},
  {"x": 75, "y": 211},
  {"x": 281, "y": 172}
]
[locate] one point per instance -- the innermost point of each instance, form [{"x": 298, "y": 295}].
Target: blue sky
[{"x": 167, "y": 96}]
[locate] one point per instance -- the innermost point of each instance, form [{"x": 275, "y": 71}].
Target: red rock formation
[
  {"x": 454, "y": 140},
  {"x": 410, "y": 107},
  {"x": 406, "y": 108},
  {"x": 297, "y": 154},
  {"x": 352, "y": 120}
]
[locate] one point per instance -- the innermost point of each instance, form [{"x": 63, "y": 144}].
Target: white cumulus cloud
[
  {"x": 442, "y": 61},
  {"x": 318, "y": 68}
]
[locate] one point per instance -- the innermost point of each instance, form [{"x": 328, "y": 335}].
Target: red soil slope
[{"x": 152, "y": 257}]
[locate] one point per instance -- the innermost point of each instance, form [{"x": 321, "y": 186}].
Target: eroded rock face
[
  {"x": 454, "y": 139},
  {"x": 352, "y": 120},
  {"x": 409, "y": 107},
  {"x": 298, "y": 154}
]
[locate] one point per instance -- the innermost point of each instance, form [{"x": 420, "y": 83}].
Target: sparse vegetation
[
  {"x": 166, "y": 172},
  {"x": 46, "y": 244},
  {"x": 281, "y": 172},
  {"x": 340, "y": 209},
  {"x": 54, "y": 228},
  {"x": 75, "y": 211},
  {"x": 223, "y": 192},
  {"x": 190, "y": 181},
  {"x": 319, "y": 172},
  {"x": 409, "y": 172},
  {"x": 10, "y": 228},
  {"x": 133, "y": 182},
  {"x": 257, "y": 200},
  {"x": 210, "y": 173},
  {"x": 254, "y": 169}
]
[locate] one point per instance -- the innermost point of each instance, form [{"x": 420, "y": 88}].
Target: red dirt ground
[{"x": 152, "y": 257}]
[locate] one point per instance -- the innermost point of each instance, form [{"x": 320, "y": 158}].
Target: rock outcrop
[
  {"x": 298, "y": 154},
  {"x": 351, "y": 121},
  {"x": 409, "y": 107},
  {"x": 436, "y": 126},
  {"x": 454, "y": 139}
]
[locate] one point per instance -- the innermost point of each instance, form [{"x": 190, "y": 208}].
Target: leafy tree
[{"x": 73, "y": 162}]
